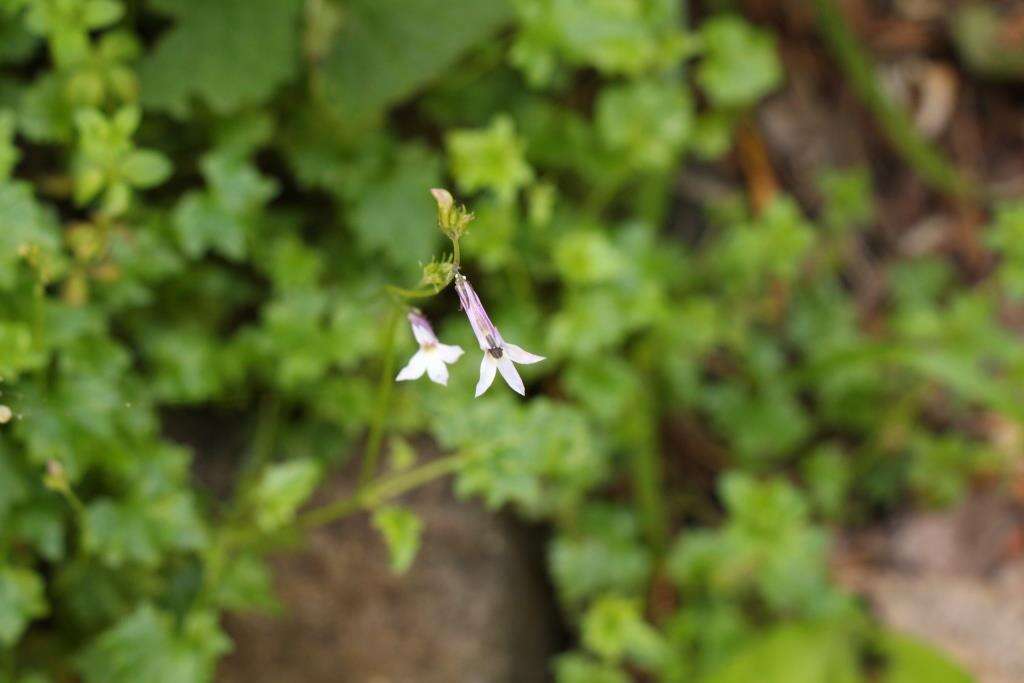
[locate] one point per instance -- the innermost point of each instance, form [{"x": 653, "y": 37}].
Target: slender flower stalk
[
  {"x": 433, "y": 357},
  {"x": 499, "y": 355}
]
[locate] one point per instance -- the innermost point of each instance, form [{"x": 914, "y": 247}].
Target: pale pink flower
[
  {"x": 433, "y": 357},
  {"x": 499, "y": 355}
]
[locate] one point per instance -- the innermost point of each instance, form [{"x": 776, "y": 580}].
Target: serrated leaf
[
  {"x": 490, "y": 158},
  {"x": 145, "y": 168},
  {"x": 578, "y": 668},
  {"x": 26, "y": 225},
  {"x": 280, "y": 490},
  {"x": 401, "y": 530},
  {"x": 740, "y": 64},
  {"x": 405, "y": 44},
  {"x": 797, "y": 653},
  {"x": 21, "y": 601},
  {"x": 147, "y": 645},
  {"x": 908, "y": 660},
  {"x": 230, "y": 54},
  {"x": 396, "y": 215}
]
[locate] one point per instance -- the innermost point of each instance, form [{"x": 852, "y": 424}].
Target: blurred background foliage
[{"x": 201, "y": 202}]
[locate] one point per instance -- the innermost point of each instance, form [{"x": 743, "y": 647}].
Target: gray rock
[{"x": 474, "y": 608}]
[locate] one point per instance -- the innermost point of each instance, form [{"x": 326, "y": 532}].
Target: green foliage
[
  {"x": 767, "y": 548},
  {"x": 646, "y": 122},
  {"x": 603, "y": 551},
  {"x": 574, "y": 668},
  {"x": 1007, "y": 237},
  {"x": 229, "y": 55},
  {"x": 201, "y": 204},
  {"x": 624, "y": 38},
  {"x": 405, "y": 44},
  {"x": 909, "y": 660},
  {"x": 614, "y": 629},
  {"x": 739, "y": 64},
  {"x": 491, "y": 158},
  {"x": 280, "y": 490},
  {"x": 401, "y": 530},
  {"x": 796, "y": 653},
  {"x": 148, "y": 645},
  {"x": 21, "y": 601}
]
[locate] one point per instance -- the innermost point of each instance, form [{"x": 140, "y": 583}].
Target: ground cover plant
[{"x": 226, "y": 207}]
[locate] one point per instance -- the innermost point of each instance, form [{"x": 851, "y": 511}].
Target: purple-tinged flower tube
[
  {"x": 433, "y": 357},
  {"x": 499, "y": 355}
]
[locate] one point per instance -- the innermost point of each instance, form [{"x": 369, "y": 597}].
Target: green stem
[
  {"x": 39, "y": 315},
  {"x": 647, "y": 487},
  {"x": 264, "y": 437},
  {"x": 404, "y": 293},
  {"x": 382, "y": 491},
  {"x": 384, "y": 387},
  {"x": 928, "y": 162}
]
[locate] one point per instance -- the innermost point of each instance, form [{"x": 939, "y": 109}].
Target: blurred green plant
[{"x": 212, "y": 221}]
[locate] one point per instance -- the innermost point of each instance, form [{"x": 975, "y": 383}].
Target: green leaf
[
  {"x": 9, "y": 154},
  {"x": 767, "y": 547},
  {"x": 16, "y": 43},
  {"x": 246, "y": 584},
  {"x": 910, "y": 661},
  {"x": 20, "y": 352},
  {"x": 236, "y": 184},
  {"x": 146, "y": 645},
  {"x": 794, "y": 653},
  {"x": 579, "y": 668},
  {"x": 404, "y": 44},
  {"x": 230, "y": 54},
  {"x": 540, "y": 458},
  {"x": 490, "y": 158},
  {"x": 145, "y": 168},
  {"x": 849, "y": 201},
  {"x": 614, "y": 629},
  {"x": 401, "y": 530},
  {"x": 648, "y": 122},
  {"x": 21, "y": 600},
  {"x": 587, "y": 257},
  {"x": 740, "y": 65},
  {"x": 604, "y": 553},
  {"x": 1006, "y": 236},
  {"x": 396, "y": 215},
  {"x": 203, "y": 225},
  {"x": 280, "y": 490},
  {"x": 27, "y": 226},
  {"x": 221, "y": 218},
  {"x": 626, "y": 37},
  {"x": 142, "y": 531}
]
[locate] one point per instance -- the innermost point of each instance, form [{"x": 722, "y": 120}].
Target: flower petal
[
  {"x": 511, "y": 375},
  {"x": 414, "y": 369},
  {"x": 449, "y": 353},
  {"x": 488, "y": 367},
  {"x": 437, "y": 370},
  {"x": 520, "y": 355},
  {"x": 421, "y": 329}
]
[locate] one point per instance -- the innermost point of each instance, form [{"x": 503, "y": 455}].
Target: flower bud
[
  {"x": 453, "y": 220},
  {"x": 56, "y": 477}
]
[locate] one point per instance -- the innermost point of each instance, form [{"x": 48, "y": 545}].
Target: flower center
[{"x": 495, "y": 351}]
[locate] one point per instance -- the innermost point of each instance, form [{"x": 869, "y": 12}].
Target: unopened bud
[
  {"x": 56, "y": 478},
  {"x": 445, "y": 201},
  {"x": 453, "y": 220},
  {"x": 5, "y": 414}
]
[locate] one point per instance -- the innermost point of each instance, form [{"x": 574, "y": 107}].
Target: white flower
[
  {"x": 432, "y": 356},
  {"x": 499, "y": 355}
]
